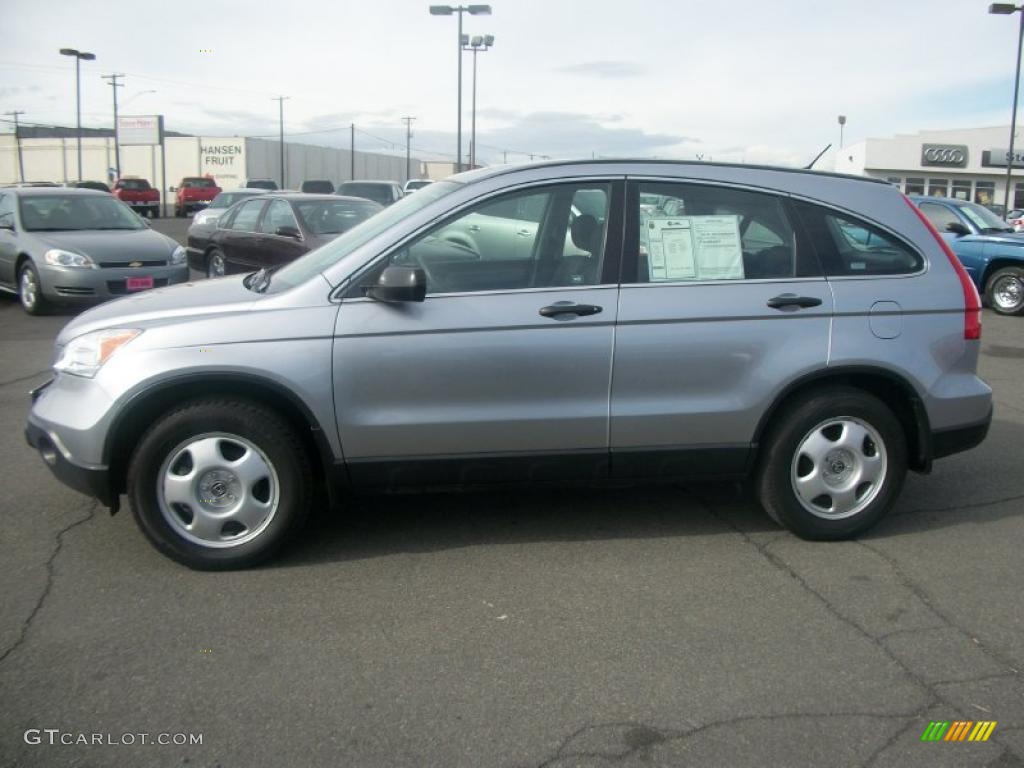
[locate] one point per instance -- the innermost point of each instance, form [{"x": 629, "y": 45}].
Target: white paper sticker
[{"x": 694, "y": 248}]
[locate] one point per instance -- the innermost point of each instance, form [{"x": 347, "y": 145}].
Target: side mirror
[
  {"x": 288, "y": 231},
  {"x": 958, "y": 229},
  {"x": 397, "y": 284}
]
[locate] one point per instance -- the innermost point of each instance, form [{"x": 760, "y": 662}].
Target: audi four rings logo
[{"x": 937, "y": 154}]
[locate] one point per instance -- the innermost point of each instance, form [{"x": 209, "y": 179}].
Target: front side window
[
  {"x": 246, "y": 217},
  {"x": 850, "y": 247},
  {"x": 696, "y": 232},
  {"x": 940, "y": 216},
  {"x": 279, "y": 214},
  {"x": 535, "y": 238}
]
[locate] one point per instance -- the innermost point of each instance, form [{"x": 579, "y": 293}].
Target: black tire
[
  {"x": 34, "y": 303},
  {"x": 1004, "y": 291},
  {"x": 775, "y": 476},
  {"x": 210, "y": 258},
  {"x": 179, "y": 212},
  {"x": 257, "y": 424}
]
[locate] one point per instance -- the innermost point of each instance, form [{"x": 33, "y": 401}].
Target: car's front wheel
[
  {"x": 833, "y": 464},
  {"x": 1005, "y": 291},
  {"x": 215, "y": 264},
  {"x": 30, "y": 290},
  {"x": 219, "y": 484}
]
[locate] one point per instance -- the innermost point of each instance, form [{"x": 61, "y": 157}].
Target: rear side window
[
  {"x": 697, "y": 232},
  {"x": 848, "y": 246}
]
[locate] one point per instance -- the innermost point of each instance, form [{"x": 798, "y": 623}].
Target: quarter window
[
  {"x": 848, "y": 246},
  {"x": 537, "y": 238},
  {"x": 692, "y": 232},
  {"x": 279, "y": 214}
]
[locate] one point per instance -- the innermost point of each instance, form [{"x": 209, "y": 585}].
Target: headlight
[
  {"x": 85, "y": 355},
  {"x": 60, "y": 258},
  {"x": 204, "y": 216},
  {"x": 178, "y": 256}
]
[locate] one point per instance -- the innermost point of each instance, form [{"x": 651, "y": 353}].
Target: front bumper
[
  {"x": 92, "y": 481},
  {"x": 67, "y": 285}
]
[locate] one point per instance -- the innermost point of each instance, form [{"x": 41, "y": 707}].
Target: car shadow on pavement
[{"x": 367, "y": 526}]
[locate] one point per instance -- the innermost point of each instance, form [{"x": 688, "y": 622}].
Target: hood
[
  {"x": 204, "y": 298},
  {"x": 1010, "y": 238},
  {"x": 112, "y": 244}
]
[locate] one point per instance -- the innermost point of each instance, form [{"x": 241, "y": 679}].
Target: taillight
[{"x": 972, "y": 301}]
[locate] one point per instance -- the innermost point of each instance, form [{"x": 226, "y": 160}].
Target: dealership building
[{"x": 966, "y": 163}]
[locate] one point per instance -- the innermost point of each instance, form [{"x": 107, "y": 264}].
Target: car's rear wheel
[
  {"x": 215, "y": 264},
  {"x": 1005, "y": 291},
  {"x": 220, "y": 484},
  {"x": 833, "y": 464},
  {"x": 30, "y": 290}
]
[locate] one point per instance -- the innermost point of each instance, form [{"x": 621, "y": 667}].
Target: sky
[{"x": 756, "y": 82}]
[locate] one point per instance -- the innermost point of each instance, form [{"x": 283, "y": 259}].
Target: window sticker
[{"x": 694, "y": 248}]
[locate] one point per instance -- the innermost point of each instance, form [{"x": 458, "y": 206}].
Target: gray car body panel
[{"x": 663, "y": 366}]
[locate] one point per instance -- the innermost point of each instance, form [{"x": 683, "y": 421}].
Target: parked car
[
  {"x": 413, "y": 184},
  {"x": 383, "y": 192},
  {"x": 138, "y": 195},
  {"x": 99, "y": 186},
  {"x": 317, "y": 187},
  {"x": 275, "y": 229},
  {"x": 744, "y": 341},
  {"x": 204, "y": 223},
  {"x": 193, "y": 193},
  {"x": 989, "y": 248},
  {"x": 265, "y": 184},
  {"x": 76, "y": 246},
  {"x": 1015, "y": 219}
]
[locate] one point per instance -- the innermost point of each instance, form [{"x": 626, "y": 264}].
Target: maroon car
[{"x": 272, "y": 230}]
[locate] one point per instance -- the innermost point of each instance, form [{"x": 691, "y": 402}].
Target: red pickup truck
[
  {"x": 137, "y": 194},
  {"x": 193, "y": 193}
]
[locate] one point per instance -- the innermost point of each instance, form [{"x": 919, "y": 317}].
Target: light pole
[
  {"x": 114, "y": 85},
  {"x": 448, "y": 10},
  {"x": 1006, "y": 9},
  {"x": 842, "y": 122},
  {"x": 79, "y": 57},
  {"x": 408, "y": 140},
  {"x": 475, "y": 44},
  {"x": 280, "y": 113}
]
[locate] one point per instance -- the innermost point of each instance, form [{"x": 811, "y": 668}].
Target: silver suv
[{"x": 605, "y": 320}]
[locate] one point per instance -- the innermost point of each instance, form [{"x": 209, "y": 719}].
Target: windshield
[
  {"x": 316, "y": 261},
  {"x": 984, "y": 219},
  {"x": 57, "y": 213},
  {"x": 380, "y": 193},
  {"x": 332, "y": 217},
  {"x": 417, "y": 184}
]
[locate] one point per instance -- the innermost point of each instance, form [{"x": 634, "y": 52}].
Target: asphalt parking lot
[{"x": 620, "y": 626}]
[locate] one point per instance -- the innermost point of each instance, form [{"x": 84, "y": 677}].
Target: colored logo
[{"x": 958, "y": 730}]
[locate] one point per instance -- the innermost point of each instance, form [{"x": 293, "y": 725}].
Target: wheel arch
[
  {"x": 888, "y": 386},
  {"x": 995, "y": 264},
  {"x": 143, "y": 408}
]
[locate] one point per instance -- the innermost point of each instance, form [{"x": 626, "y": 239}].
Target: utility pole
[
  {"x": 17, "y": 141},
  {"x": 280, "y": 111},
  {"x": 408, "y": 140},
  {"x": 114, "y": 85},
  {"x": 352, "y": 149}
]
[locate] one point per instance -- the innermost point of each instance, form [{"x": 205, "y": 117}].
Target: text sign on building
[
  {"x": 140, "y": 130},
  {"x": 998, "y": 158},
  {"x": 947, "y": 155},
  {"x": 224, "y": 160}
]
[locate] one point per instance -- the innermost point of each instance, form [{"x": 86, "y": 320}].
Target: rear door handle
[
  {"x": 786, "y": 300},
  {"x": 569, "y": 308}
]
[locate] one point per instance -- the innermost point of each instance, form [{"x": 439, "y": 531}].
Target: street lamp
[
  {"x": 475, "y": 44},
  {"x": 79, "y": 57},
  {"x": 842, "y": 122},
  {"x": 1006, "y": 9},
  {"x": 448, "y": 10}
]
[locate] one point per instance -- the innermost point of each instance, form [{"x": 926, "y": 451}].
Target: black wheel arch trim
[
  {"x": 112, "y": 448},
  {"x": 920, "y": 449}
]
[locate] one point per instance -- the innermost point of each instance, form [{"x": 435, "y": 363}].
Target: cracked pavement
[{"x": 557, "y": 627}]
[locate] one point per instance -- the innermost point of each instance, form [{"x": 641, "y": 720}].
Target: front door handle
[
  {"x": 569, "y": 308},
  {"x": 786, "y": 300}
]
